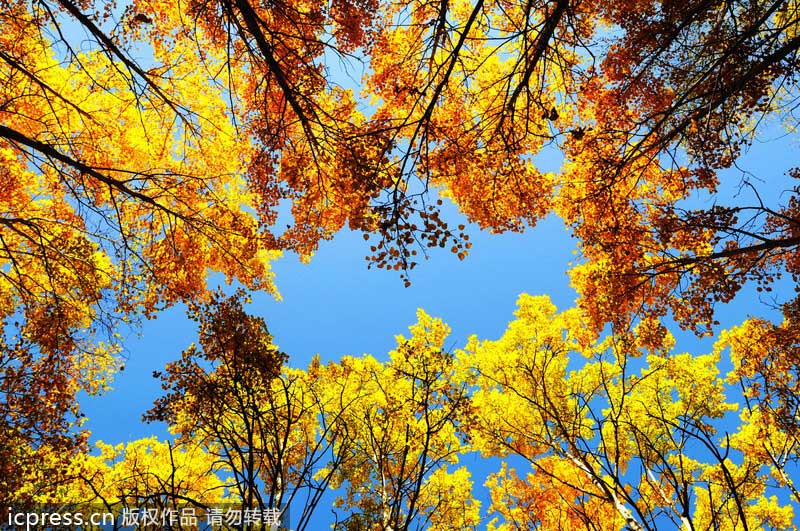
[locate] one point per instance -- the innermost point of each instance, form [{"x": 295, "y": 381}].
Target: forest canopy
[{"x": 147, "y": 145}]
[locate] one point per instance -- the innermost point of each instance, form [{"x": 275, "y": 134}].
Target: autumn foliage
[
  {"x": 147, "y": 145},
  {"x": 577, "y": 432}
]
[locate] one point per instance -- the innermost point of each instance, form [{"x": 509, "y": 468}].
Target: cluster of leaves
[{"x": 634, "y": 436}]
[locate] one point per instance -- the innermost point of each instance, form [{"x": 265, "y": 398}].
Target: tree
[
  {"x": 628, "y": 439},
  {"x": 401, "y": 444},
  {"x": 40, "y": 421},
  {"x": 767, "y": 368},
  {"x": 273, "y": 429},
  {"x": 675, "y": 102}
]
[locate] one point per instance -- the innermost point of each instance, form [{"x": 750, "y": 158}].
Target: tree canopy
[
  {"x": 147, "y": 145},
  {"x": 578, "y": 433}
]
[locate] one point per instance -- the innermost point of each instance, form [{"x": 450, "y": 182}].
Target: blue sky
[{"x": 334, "y": 306}]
